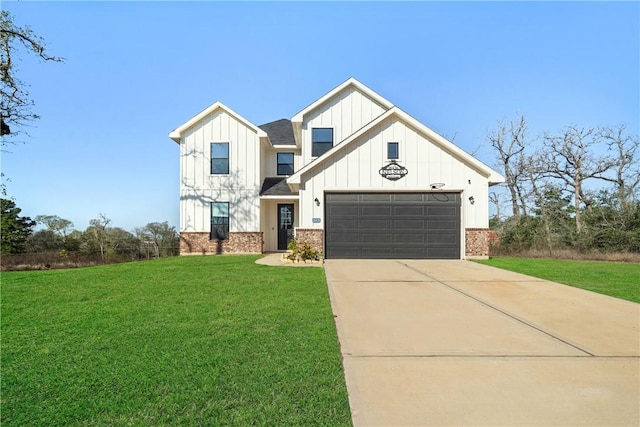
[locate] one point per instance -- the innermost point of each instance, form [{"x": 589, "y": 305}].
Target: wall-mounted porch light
[
  {"x": 472, "y": 200},
  {"x": 317, "y": 201}
]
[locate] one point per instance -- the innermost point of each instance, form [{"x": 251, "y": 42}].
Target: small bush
[{"x": 307, "y": 252}]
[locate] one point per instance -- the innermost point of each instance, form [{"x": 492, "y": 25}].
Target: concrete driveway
[{"x": 455, "y": 343}]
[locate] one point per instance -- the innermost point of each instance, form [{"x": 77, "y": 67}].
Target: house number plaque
[{"x": 393, "y": 171}]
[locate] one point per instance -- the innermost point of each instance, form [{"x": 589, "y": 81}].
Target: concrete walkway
[{"x": 455, "y": 343}]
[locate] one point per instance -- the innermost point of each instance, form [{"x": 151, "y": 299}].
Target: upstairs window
[
  {"x": 219, "y": 221},
  {"x": 393, "y": 151},
  {"x": 285, "y": 164},
  {"x": 219, "y": 158},
  {"x": 321, "y": 141}
]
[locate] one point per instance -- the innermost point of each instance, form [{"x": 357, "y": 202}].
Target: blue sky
[{"x": 136, "y": 70}]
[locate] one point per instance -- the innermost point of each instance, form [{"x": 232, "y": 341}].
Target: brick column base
[
  {"x": 477, "y": 243},
  {"x": 194, "y": 243},
  {"x": 313, "y": 236}
]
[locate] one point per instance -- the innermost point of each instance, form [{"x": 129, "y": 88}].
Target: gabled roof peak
[
  {"x": 177, "y": 133},
  {"x": 350, "y": 82}
]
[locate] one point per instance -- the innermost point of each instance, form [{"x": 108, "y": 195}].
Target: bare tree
[
  {"x": 509, "y": 142},
  {"x": 494, "y": 198},
  {"x": 568, "y": 157},
  {"x": 15, "y": 103},
  {"x": 627, "y": 165},
  {"x": 534, "y": 173},
  {"x": 99, "y": 232}
]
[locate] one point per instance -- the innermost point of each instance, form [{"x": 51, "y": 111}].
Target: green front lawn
[
  {"x": 620, "y": 280},
  {"x": 181, "y": 341}
]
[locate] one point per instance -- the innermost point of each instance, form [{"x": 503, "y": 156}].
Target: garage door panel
[
  {"x": 408, "y": 224},
  {"x": 438, "y": 224},
  {"x": 411, "y": 210},
  {"x": 375, "y": 252},
  {"x": 409, "y": 238},
  {"x": 375, "y": 197},
  {"x": 453, "y": 198},
  {"x": 375, "y": 210},
  {"x": 409, "y": 197},
  {"x": 392, "y": 225},
  {"x": 445, "y": 211},
  {"x": 345, "y": 224},
  {"x": 442, "y": 239},
  {"x": 376, "y": 224},
  {"x": 376, "y": 238},
  {"x": 409, "y": 252},
  {"x": 342, "y": 197},
  {"x": 345, "y": 237},
  {"x": 343, "y": 210}
]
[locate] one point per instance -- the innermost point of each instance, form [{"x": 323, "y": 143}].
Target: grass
[
  {"x": 182, "y": 341},
  {"x": 620, "y": 280}
]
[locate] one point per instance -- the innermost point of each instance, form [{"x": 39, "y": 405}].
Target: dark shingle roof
[
  {"x": 276, "y": 187},
  {"x": 280, "y": 132}
]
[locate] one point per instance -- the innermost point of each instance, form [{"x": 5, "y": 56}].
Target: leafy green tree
[
  {"x": 14, "y": 229},
  {"x": 122, "y": 243},
  {"x": 55, "y": 224},
  {"x": 613, "y": 223},
  {"x": 162, "y": 237},
  {"x": 43, "y": 241}
]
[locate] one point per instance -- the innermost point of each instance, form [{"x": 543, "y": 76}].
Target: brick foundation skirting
[
  {"x": 238, "y": 243},
  {"x": 313, "y": 236},
  {"x": 477, "y": 242}
]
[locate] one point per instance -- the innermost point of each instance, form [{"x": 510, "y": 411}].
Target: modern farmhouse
[{"x": 351, "y": 174}]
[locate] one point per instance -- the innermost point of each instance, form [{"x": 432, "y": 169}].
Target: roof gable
[
  {"x": 492, "y": 176},
  {"x": 351, "y": 82},
  {"x": 177, "y": 133}
]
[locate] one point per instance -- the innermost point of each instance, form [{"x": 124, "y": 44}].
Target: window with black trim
[
  {"x": 321, "y": 141},
  {"x": 219, "y": 158},
  {"x": 285, "y": 164},
  {"x": 219, "y": 221},
  {"x": 393, "y": 150}
]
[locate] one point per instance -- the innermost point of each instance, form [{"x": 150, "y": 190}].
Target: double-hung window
[
  {"x": 321, "y": 141},
  {"x": 285, "y": 164},
  {"x": 219, "y": 221},
  {"x": 219, "y": 158},
  {"x": 393, "y": 151}
]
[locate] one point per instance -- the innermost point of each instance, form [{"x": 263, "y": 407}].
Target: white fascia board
[
  {"x": 298, "y": 118},
  {"x": 492, "y": 176},
  {"x": 287, "y": 147},
  {"x": 279, "y": 197},
  {"x": 177, "y": 133}
]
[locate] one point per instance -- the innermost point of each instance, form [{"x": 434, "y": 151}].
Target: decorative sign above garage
[{"x": 393, "y": 171}]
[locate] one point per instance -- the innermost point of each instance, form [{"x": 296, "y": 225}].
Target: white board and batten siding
[
  {"x": 356, "y": 169},
  {"x": 240, "y": 187},
  {"x": 346, "y": 112}
]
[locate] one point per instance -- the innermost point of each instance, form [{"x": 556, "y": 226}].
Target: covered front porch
[
  {"x": 279, "y": 211},
  {"x": 278, "y": 220}
]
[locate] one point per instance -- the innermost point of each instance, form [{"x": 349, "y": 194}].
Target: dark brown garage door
[{"x": 392, "y": 225}]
